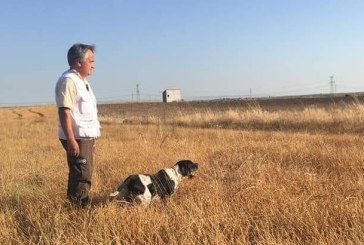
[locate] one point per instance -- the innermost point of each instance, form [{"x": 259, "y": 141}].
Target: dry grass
[
  {"x": 343, "y": 118},
  {"x": 285, "y": 182}
]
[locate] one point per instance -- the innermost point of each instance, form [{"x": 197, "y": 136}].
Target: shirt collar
[{"x": 78, "y": 74}]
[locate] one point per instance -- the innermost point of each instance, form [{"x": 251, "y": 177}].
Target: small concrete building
[{"x": 171, "y": 95}]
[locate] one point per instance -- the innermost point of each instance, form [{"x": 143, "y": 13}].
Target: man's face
[{"x": 86, "y": 67}]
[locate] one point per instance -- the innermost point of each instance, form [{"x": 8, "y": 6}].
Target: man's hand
[{"x": 73, "y": 147}]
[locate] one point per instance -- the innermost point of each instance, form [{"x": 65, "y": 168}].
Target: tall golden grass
[{"x": 266, "y": 177}]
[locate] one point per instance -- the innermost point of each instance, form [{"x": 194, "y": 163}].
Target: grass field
[{"x": 269, "y": 174}]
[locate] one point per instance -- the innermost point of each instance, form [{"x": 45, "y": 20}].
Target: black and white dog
[{"x": 143, "y": 188}]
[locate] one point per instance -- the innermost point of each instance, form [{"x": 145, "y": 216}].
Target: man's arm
[{"x": 66, "y": 123}]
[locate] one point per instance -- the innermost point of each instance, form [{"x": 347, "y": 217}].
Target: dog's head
[{"x": 187, "y": 168}]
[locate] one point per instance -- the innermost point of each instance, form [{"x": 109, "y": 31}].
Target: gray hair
[{"x": 77, "y": 52}]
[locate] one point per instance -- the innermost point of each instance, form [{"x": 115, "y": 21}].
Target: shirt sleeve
[{"x": 66, "y": 93}]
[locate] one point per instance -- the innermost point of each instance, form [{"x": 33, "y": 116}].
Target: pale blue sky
[{"x": 205, "y": 48}]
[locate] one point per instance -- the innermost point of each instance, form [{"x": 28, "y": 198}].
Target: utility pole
[
  {"x": 332, "y": 85},
  {"x": 137, "y": 93},
  {"x": 250, "y": 92}
]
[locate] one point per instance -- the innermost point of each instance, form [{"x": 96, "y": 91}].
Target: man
[{"x": 78, "y": 125}]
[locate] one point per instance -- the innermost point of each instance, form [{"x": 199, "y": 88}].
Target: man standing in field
[{"x": 78, "y": 125}]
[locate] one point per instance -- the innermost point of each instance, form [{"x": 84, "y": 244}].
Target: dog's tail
[
  {"x": 114, "y": 194},
  {"x": 120, "y": 194}
]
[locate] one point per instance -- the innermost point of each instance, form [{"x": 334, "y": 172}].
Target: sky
[{"x": 208, "y": 49}]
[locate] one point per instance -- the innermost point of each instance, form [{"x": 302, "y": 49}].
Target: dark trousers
[{"x": 80, "y": 171}]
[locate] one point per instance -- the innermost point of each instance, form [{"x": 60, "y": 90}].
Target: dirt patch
[{"x": 35, "y": 112}]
